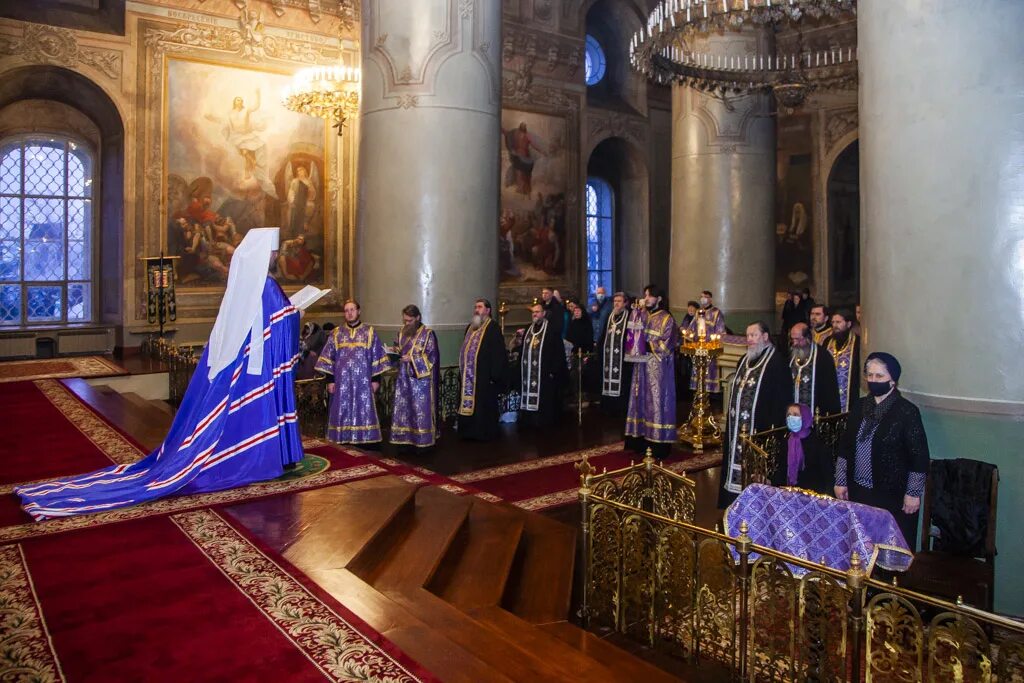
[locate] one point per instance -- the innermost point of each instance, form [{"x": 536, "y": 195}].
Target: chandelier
[
  {"x": 327, "y": 92},
  {"x": 664, "y": 50}
]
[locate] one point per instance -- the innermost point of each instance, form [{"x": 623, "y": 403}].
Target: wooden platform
[{"x": 475, "y": 591}]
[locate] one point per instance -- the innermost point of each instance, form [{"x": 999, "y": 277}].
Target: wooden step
[
  {"x": 326, "y": 528},
  {"x": 420, "y": 639},
  {"x": 406, "y": 554},
  {"x": 475, "y": 570},
  {"x": 499, "y": 639},
  {"x": 625, "y": 666},
  {"x": 539, "y": 588},
  {"x": 147, "y": 427},
  {"x": 163, "y": 406}
]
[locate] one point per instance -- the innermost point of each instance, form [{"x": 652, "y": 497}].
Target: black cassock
[
  {"x": 615, "y": 375},
  {"x": 482, "y": 425},
  {"x": 580, "y": 333},
  {"x": 761, "y": 391},
  {"x": 814, "y": 382},
  {"x": 542, "y": 373}
]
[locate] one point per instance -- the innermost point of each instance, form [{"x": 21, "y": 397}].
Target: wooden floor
[{"x": 475, "y": 591}]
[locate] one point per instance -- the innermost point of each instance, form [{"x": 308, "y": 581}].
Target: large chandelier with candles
[
  {"x": 327, "y": 92},
  {"x": 667, "y": 49}
]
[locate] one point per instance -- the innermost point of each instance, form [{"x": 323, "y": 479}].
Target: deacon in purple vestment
[
  {"x": 708, "y": 320},
  {"x": 414, "y": 418},
  {"x": 352, "y": 359},
  {"x": 651, "y": 417}
]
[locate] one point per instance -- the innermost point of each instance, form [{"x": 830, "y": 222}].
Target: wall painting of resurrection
[
  {"x": 237, "y": 159},
  {"x": 532, "y": 228}
]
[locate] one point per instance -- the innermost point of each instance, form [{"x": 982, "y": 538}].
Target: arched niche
[
  {"x": 612, "y": 23},
  {"x": 621, "y": 164},
  {"x": 842, "y": 209},
  {"x": 71, "y": 89}
]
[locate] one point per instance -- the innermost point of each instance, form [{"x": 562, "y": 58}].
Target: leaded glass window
[
  {"x": 46, "y": 231},
  {"x": 593, "y": 61},
  {"x": 599, "y": 235}
]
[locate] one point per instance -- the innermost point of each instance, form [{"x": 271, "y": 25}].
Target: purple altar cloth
[{"x": 818, "y": 528}]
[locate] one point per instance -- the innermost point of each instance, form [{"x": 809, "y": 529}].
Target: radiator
[
  {"x": 18, "y": 346},
  {"x": 93, "y": 341}
]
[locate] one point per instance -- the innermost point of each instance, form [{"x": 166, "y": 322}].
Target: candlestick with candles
[{"x": 700, "y": 428}]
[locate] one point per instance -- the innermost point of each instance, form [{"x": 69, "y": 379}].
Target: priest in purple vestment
[
  {"x": 708, "y": 320},
  {"x": 414, "y": 417},
  {"x": 353, "y": 360},
  {"x": 651, "y": 418}
]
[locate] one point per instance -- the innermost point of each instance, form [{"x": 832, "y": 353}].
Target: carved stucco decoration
[
  {"x": 726, "y": 119},
  {"x": 601, "y": 125},
  {"x": 40, "y": 44},
  {"x": 346, "y": 10},
  {"x": 445, "y": 28},
  {"x": 558, "y": 51},
  {"x": 838, "y": 124}
]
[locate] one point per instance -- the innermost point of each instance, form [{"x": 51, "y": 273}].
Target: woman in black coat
[{"x": 883, "y": 454}]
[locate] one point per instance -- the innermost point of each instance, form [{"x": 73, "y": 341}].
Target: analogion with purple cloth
[
  {"x": 818, "y": 528},
  {"x": 414, "y": 419}
]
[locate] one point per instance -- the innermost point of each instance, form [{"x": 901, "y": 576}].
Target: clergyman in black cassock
[
  {"x": 481, "y": 367},
  {"x": 542, "y": 372}
]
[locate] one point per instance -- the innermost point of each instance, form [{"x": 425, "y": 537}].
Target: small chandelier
[
  {"x": 660, "y": 50},
  {"x": 327, "y": 92}
]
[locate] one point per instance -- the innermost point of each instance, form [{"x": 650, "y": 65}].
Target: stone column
[
  {"x": 429, "y": 131},
  {"x": 723, "y": 197},
  {"x": 942, "y": 236}
]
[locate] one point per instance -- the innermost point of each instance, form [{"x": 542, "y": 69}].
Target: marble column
[
  {"x": 429, "y": 131},
  {"x": 723, "y": 196},
  {"x": 942, "y": 230}
]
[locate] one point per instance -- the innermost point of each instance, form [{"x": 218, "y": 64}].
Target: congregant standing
[
  {"x": 651, "y": 418},
  {"x": 481, "y": 367},
  {"x": 414, "y": 418},
  {"x": 353, "y": 360}
]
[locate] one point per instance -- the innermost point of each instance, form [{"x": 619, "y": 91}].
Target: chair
[{"x": 957, "y": 555}]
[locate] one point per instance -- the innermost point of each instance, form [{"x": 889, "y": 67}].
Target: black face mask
[{"x": 878, "y": 389}]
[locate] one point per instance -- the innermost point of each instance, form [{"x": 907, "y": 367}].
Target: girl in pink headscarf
[{"x": 808, "y": 463}]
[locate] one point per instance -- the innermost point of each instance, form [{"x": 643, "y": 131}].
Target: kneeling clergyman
[
  {"x": 542, "y": 371},
  {"x": 414, "y": 417},
  {"x": 651, "y": 418},
  {"x": 353, "y": 359},
  {"x": 762, "y": 389}
]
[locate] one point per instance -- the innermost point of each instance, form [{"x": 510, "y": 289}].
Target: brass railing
[
  {"x": 762, "y": 452},
  {"x": 699, "y": 595}
]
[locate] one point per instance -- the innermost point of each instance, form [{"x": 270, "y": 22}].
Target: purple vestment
[
  {"x": 652, "y": 398},
  {"x": 846, "y": 371},
  {"x": 414, "y": 419},
  {"x": 714, "y": 323},
  {"x": 354, "y": 356}
]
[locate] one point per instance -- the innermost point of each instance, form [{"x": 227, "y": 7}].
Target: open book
[{"x": 307, "y": 296}]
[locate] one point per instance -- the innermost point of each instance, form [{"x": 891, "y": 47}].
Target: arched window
[
  {"x": 46, "y": 254},
  {"x": 599, "y": 235},
  {"x": 594, "y": 63}
]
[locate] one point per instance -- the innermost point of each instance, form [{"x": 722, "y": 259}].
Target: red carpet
[
  {"x": 550, "y": 482},
  {"x": 179, "y": 598},
  {"x": 79, "y": 366}
]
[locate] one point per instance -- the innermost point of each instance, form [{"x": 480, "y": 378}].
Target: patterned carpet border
[
  {"x": 25, "y": 642},
  {"x": 330, "y": 642},
  {"x": 59, "y": 368},
  {"x": 530, "y": 465}
]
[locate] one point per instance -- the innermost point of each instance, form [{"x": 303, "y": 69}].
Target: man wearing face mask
[
  {"x": 651, "y": 418},
  {"x": 708, "y": 320},
  {"x": 883, "y": 454},
  {"x": 604, "y": 309},
  {"x": 844, "y": 347},
  {"x": 762, "y": 388},
  {"x": 481, "y": 365},
  {"x": 814, "y": 375}
]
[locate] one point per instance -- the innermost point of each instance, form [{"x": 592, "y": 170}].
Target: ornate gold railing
[
  {"x": 762, "y": 453},
  {"x": 700, "y": 595}
]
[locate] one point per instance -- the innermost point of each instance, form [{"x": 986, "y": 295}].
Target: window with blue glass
[
  {"x": 594, "y": 62},
  {"x": 600, "y": 204},
  {"x": 46, "y": 254}
]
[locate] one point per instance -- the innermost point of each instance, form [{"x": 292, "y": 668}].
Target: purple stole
[
  {"x": 467, "y": 368},
  {"x": 414, "y": 351},
  {"x": 413, "y": 419},
  {"x": 844, "y": 368},
  {"x": 354, "y": 356}
]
